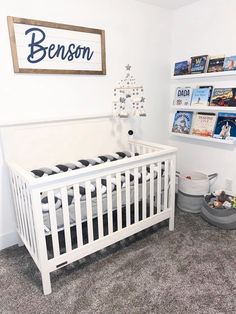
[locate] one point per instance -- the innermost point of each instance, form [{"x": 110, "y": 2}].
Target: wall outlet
[{"x": 229, "y": 185}]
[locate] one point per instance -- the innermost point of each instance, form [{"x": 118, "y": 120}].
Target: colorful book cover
[
  {"x": 183, "y": 96},
  {"x": 225, "y": 126},
  {"x": 200, "y": 97},
  {"x": 230, "y": 63},
  {"x": 182, "y": 122},
  {"x": 224, "y": 97},
  {"x": 181, "y": 68},
  {"x": 210, "y": 91},
  {"x": 216, "y": 64},
  {"x": 204, "y": 124},
  {"x": 199, "y": 64}
]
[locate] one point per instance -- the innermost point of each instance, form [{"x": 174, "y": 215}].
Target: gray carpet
[{"x": 191, "y": 270}]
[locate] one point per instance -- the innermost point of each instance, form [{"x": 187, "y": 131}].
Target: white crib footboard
[{"x": 148, "y": 200}]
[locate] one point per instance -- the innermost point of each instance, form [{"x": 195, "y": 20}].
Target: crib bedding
[
  {"x": 59, "y": 211},
  {"x": 82, "y": 163}
]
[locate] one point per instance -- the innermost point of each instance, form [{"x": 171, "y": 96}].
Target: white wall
[
  {"x": 206, "y": 27},
  {"x": 136, "y": 33}
]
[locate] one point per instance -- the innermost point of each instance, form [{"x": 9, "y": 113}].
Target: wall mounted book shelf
[
  {"x": 203, "y": 75},
  {"x": 199, "y": 110},
  {"x": 205, "y": 108},
  {"x": 202, "y": 138}
]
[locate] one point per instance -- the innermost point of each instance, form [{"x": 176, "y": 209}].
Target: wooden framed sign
[{"x": 45, "y": 47}]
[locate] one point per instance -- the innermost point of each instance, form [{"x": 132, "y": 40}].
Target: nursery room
[{"x": 117, "y": 156}]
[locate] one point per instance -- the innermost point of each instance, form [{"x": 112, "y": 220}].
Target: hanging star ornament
[{"x": 128, "y": 67}]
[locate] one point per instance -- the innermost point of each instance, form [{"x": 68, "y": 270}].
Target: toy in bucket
[
  {"x": 219, "y": 209},
  {"x": 192, "y": 186}
]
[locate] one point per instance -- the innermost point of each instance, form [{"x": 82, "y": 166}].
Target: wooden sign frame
[{"x": 80, "y": 55}]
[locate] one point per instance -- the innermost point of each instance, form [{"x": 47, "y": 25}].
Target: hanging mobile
[{"x": 128, "y": 97}]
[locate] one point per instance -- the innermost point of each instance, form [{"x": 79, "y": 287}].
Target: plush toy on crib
[{"x": 225, "y": 131}]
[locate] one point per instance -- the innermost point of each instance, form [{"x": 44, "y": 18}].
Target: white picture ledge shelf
[
  {"x": 202, "y": 138},
  {"x": 204, "y": 75},
  {"x": 205, "y": 108}
]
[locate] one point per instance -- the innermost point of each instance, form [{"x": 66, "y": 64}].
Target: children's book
[
  {"x": 181, "y": 68},
  {"x": 199, "y": 64},
  {"x": 200, "y": 97},
  {"x": 183, "y": 96},
  {"x": 204, "y": 124},
  {"x": 230, "y": 63},
  {"x": 182, "y": 122},
  {"x": 210, "y": 91},
  {"x": 216, "y": 64},
  {"x": 226, "y": 126},
  {"x": 224, "y": 97}
]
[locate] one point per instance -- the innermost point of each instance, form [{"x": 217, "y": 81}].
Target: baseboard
[{"x": 8, "y": 239}]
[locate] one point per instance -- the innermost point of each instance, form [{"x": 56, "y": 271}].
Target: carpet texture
[{"x": 191, "y": 270}]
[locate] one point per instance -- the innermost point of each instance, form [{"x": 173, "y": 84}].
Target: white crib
[{"x": 133, "y": 207}]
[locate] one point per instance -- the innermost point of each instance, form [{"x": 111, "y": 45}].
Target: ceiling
[{"x": 170, "y": 4}]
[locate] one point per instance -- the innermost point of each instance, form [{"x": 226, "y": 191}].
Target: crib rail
[{"x": 89, "y": 209}]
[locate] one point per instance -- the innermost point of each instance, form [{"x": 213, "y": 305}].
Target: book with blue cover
[
  {"x": 182, "y": 122},
  {"x": 210, "y": 91},
  {"x": 225, "y": 126},
  {"x": 199, "y": 64},
  {"x": 181, "y": 68},
  {"x": 230, "y": 63},
  {"x": 201, "y": 96}
]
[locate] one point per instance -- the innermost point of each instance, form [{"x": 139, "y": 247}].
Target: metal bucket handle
[{"x": 212, "y": 176}]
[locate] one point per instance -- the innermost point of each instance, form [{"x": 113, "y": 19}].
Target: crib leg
[
  {"x": 172, "y": 223},
  {"x": 20, "y": 242},
  {"x": 47, "y": 289}
]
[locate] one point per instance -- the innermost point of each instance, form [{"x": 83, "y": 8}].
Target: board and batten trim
[{"x": 17, "y": 69}]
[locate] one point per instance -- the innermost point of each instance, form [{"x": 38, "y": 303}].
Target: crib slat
[
  {"x": 79, "y": 231},
  {"x": 151, "y": 189},
  {"x": 25, "y": 205},
  {"x": 99, "y": 208},
  {"x": 18, "y": 197},
  {"x": 89, "y": 211},
  {"x": 132, "y": 148},
  {"x": 66, "y": 219},
  {"x": 53, "y": 223},
  {"x": 109, "y": 204},
  {"x": 29, "y": 222},
  {"x": 127, "y": 197},
  {"x": 166, "y": 184},
  {"x": 22, "y": 209},
  {"x": 119, "y": 204},
  {"x": 144, "y": 192},
  {"x": 32, "y": 225},
  {"x": 141, "y": 149},
  {"x": 159, "y": 189},
  {"x": 136, "y": 203},
  {"x": 16, "y": 202},
  {"x": 172, "y": 192}
]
